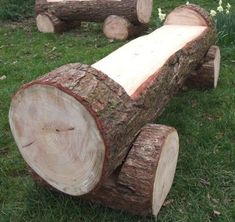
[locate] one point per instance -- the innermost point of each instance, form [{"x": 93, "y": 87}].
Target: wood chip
[{"x": 216, "y": 213}]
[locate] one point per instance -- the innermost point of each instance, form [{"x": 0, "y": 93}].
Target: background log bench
[
  {"x": 84, "y": 130},
  {"x": 122, "y": 18}
]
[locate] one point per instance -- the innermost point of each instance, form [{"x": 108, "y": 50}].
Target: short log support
[{"x": 206, "y": 75}]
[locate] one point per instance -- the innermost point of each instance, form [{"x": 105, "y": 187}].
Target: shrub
[{"x": 16, "y": 9}]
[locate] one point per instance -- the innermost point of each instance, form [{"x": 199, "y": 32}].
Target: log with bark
[
  {"x": 206, "y": 75},
  {"x": 74, "y": 126},
  {"x": 119, "y": 28},
  {"x": 145, "y": 178},
  {"x": 48, "y": 23},
  {"x": 55, "y": 15}
]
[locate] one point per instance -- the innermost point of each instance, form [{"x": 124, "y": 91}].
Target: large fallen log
[
  {"x": 136, "y": 11},
  {"x": 56, "y": 15},
  {"x": 74, "y": 126}
]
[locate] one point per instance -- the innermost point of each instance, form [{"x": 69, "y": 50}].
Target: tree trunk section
[
  {"x": 48, "y": 23},
  {"x": 144, "y": 180},
  {"x": 74, "y": 126},
  {"x": 119, "y": 28},
  {"x": 136, "y": 11},
  {"x": 206, "y": 75}
]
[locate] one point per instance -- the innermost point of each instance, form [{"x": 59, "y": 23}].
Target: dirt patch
[{"x": 18, "y": 24}]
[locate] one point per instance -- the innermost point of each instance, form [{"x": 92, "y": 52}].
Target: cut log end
[
  {"x": 49, "y": 23},
  {"x": 119, "y": 28},
  {"x": 145, "y": 178},
  {"x": 58, "y": 138},
  {"x": 116, "y": 27},
  {"x": 165, "y": 171},
  {"x": 144, "y": 10},
  {"x": 150, "y": 167},
  {"x": 191, "y": 15},
  {"x": 216, "y": 66},
  {"x": 44, "y": 24}
]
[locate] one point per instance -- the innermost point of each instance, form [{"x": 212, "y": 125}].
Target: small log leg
[
  {"x": 206, "y": 75},
  {"x": 119, "y": 28},
  {"x": 146, "y": 176},
  {"x": 49, "y": 23}
]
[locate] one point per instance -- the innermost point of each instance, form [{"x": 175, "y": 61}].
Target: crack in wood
[
  {"x": 64, "y": 130},
  {"x": 27, "y": 145}
]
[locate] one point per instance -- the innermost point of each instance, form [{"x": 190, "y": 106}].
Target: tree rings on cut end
[
  {"x": 58, "y": 138},
  {"x": 49, "y": 23},
  {"x": 116, "y": 27},
  {"x": 44, "y": 24},
  {"x": 191, "y": 15}
]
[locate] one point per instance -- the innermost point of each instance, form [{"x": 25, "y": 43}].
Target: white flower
[
  {"x": 220, "y": 2},
  {"x": 213, "y": 13},
  {"x": 187, "y": 3},
  {"x": 220, "y": 9},
  {"x": 228, "y": 6},
  {"x": 227, "y": 12},
  {"x": 3, "y": 77},
  {"x": 162, "y": 16}
]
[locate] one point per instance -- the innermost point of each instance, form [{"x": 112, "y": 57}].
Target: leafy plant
[
  {"x": 225, "y": 23},
  {"x": 16, "y": 9},
  {"x": 224, "y": 19}
]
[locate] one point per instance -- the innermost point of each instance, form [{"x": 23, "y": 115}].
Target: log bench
[
  {"x": 122, "y": 19},
  {"x": 86, "y": 130}
]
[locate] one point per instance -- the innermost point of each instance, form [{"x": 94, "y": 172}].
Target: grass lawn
[{"x": 205, "y": 119}]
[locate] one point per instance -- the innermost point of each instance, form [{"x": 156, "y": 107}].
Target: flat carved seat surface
[{"x": 132, "y": 64}]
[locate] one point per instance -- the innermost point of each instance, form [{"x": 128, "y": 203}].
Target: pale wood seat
[{"x": 132, "y": 64}]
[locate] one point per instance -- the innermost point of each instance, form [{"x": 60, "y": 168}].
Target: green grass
[
  {"x": 205, "y": 120},
  {"x": 16, "y": 9}
]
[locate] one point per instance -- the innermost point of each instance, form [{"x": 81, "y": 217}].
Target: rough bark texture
[
  {"x": 96, "y": 11},
  {"x": 205, "y": 74},
  {"x": 131, "y": 187},
  {"x": 57, "y": 26},
  {"x": 119, "y": 28}
]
